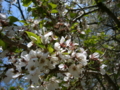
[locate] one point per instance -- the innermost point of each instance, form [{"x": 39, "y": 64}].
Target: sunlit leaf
[
  {"x": 50, "y": 49},
  {"x": 26, "y": 3},
  {"x": 54, "y": 11},
  {"x": 34, "y": 37},
  {"x": 13, "y": 19},
  {"x": 53, "y": 5},
  {"x": 3, "y": 44}
]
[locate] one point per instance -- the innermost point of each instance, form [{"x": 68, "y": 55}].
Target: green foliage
[
  {"x": 91, "y": 41},
  {"x": 54, "y": 11},
  {"x": 35, "y": 38},
  {"x": 3, "y": 44},
  {"x": 26, "y": 3},
  {"x": 12, "y": 19},
  {"x": 52, "y": 5},
  {"x": 73, "y": 15},
  {"x": 16, "y": 88},
  {"x": 50, "y": 49},
  {"x": 12, "y": 88}
]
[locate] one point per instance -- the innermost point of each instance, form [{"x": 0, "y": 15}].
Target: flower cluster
[{"x": 51, "y": 60}]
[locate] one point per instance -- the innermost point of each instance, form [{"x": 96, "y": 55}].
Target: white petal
[
  {"x": 57, "y": 46},
  {"x": 30, "y": 44},
  {"x": 48, "y": 34},
  {"x": 62, "y": 40},
  {"x": 3, "y": 16}
]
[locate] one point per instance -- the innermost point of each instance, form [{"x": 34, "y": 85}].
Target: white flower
[
  {"x": 57, "y": 46},
  {"x": 33, "y": 77},
  {"x": 82, "y": 32},
  {"x": 94, "y": 55},
  {"x": 32, "y": 54},
  {"x": 25, "y": 56},
  {"x": 16, "y": 75},
  {"x": 1, "y": 49},
  {"x": 73, "y": 54},
  {"x": 48, "y": 34},
  {"x": 32, "y": 66},
  {"x": 3, "y": 16},
  {"x": 83, "y": 51},
  {"x": 42, "y": 62},
  {"x": 53, "y": 84},
  {"x": 62, "y": 67},
  {"x": 32, "y": 87},
  {"x": 39, "y": 53},
  {"x": 67, "y": 77},
  {"x": 62, "y": 40},
  {"x": 9, "y": 75},
  {"x": 75, "y": 70},
  {"x": 30, "y": 44},
  {"x": 68, "y": 42},
  {"x": 0, "y": 28},
  {"x": 102, "y": 70},
  {"x": 81, "y": 58},
  {"x": 54, "y": 60}
]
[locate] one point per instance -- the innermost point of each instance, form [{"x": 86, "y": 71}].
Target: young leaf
[
  {"x": 13, "y": 19},
  {"x": 54, "y": 11},
  {"x": 53, "y": 5},
  {"x": 50, "y": 49},
  {"x": 34, "y": 37},
  {"x": 26, "y": 3},
  {"x": 3, "y": 44}
]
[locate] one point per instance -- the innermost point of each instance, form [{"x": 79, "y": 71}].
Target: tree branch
[
  {"x": 111, "y": 14},
  {"x": 107, "y": 77},
  {"x": 99, "y": 80},
  {"x": 79, "y": 17},
  {"x": 82, "y": 8},
  {"x": 21, "y": 10},
  {"x": 11, "y": 43}
]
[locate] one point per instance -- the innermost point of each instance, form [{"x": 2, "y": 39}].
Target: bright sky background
[{"x": 14, "y": 10}]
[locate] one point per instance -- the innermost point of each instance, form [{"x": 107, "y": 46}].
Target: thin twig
[
  {"x": 79, "y": 17},
  {"x": 21, "y": 10}
]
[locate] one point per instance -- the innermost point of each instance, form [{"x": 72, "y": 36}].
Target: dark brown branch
[
  {"x": 12, "y": 4},
  {"x": 99, "y": 80},
  {"x": 105, "y": 9},
  {"x": 79, "y": 17},
  {"x": 82, "y": 8},
  {"x": 92, "y": 23},
  {"x": 19, "y": 7},
  {"x": 11, "y": 43},
  {"x": 110, "y": 81},
  {"x": 107, "y": 77},
  {"x": 21, "y": 10}
]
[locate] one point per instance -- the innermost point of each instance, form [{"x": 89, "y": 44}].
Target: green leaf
[
  {"x": 87, "y": 31},
  {"x": 13, "y": 19},
  {"x": 52, "y": 5},
  {"x": 26, "y": 3},
  {"x": 35, "y": 38},
  {"x": 41, "y": 45},
  {"x": 3, "y": 44},
  {"x": 54, "y": 11},
  {"x": 24, "y": 22},
  {"x": 12, "y": 88},
  {"x": 29, "y": 9},
  {"x": 50, "y": 49},
  {"x": 65, "y": 53},
  {"x": 72, "y": 15},
  {"x": 74, "y": 25}
]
